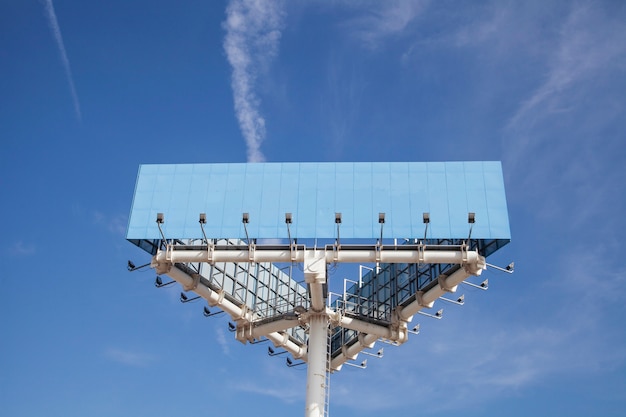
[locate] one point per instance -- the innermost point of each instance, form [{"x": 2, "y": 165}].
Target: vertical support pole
[{"x": 316, "y": 370}]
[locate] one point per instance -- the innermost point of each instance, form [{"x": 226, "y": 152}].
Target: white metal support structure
[{"x": 319, "y": 317}]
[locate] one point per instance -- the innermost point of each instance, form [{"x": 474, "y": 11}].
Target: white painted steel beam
[
  {"x": 351, "y": 255},
  {"x": 425, "y": 300},
  {"x": 215, "y": 298}
]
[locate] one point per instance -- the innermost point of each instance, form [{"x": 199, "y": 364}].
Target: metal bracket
[
  {"x": 420, "y": 301},
  {"x": 194, "y": 283},
  {"x": 251, "y": 249},
  {"x": 441, "y": 279}
]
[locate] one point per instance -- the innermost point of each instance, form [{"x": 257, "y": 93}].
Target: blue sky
[{"x": 90, "y": 90}]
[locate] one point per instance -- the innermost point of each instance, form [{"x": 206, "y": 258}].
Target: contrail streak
[
  {"x": 252, "y": 36},
  {"x": 56, "y": 31}
]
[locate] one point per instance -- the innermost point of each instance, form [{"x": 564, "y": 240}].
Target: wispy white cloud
[
  {"x": 382, "y": 19},
  {"x": 562, "y": 134},
  {"x": 253, "y": 31},
  {"x": 221, "y": 340},
  {"x": 56, "y": 31},
  {"x": 583, "y": 50},
  {"x": 127, "y": 357}
]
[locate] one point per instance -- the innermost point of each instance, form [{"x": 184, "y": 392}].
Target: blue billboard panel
[{"x": 313, "y": 193}]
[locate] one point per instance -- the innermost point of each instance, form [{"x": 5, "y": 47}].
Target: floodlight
[
  {"x": 471, "y": 218},
  {"x": 459, "y": 301},
  {"x": 245, "y": 218},
  {"x": 381, "y": 218},
  {"x": 202, "y": 218},
  {"x": 209, "y": 313},
  {"x": 231, "y": 326},
  {"x": 362, "y": 365},
  {"x": 158, "y": 282},
  {"x": 185, "y": 299},
  {"x": 160, "y": 218},
  {"x": 132, "y": 267},
  {"x": 426, "y": 217},
  {"x": 438, "y": 315},
  {"x": 337, "y": 218},
  {"x": 509, "y": 269},
  {"x": 482, "y": 286},
  {"x": 378, "y": 354},
  {"x": 288, "y": 218},
  {"x": 291, "y": 363},
  {"x": 272, "y": 352}
]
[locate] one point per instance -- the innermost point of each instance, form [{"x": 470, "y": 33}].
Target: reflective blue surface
[{"x": 314, "y": 192}]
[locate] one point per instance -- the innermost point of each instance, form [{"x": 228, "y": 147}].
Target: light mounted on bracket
[
  {"x": 338, "y": 222},
  {"x": 159, "y": 221},
  {"x": 482, "y": 286},
  {"x": 381, "y": 221},
  {"x": 415, "y": 330},
  {"x": 245, "y": 219},
  {"x": 185, "y": 299},
  {"x": 426, "y": 220},
  {"x": 202, "y": 222},
  {"x": 158, "y": 282},
  {"x": 509, "y": 269},
  {"x": 272, "y": 352},
  {"x": 288, "y": 220},
  {"x": 438, "y": 315},
  {"x": 291, "y": 363},
  {"x": 208, "y": 313},
  {"x": 379, "y": 353},
  {"x": 459, "y": 301},
  {"x": 471, "y": 219},
  {"x": 232, "y": 327},
  {"x": 131, "y": 266},
  {"x": 362, "y": 365}
]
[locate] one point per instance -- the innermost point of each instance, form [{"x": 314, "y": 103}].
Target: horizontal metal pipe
[
  {"x": 365, "y": 327},
  {"x": 343, "y": 255}
]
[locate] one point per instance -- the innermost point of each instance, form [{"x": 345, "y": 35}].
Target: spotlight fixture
[
  {"x": 378, "y": 354},
  {"x": 288, "y": 218},
  {"x": 426, "y": 218},
  {"x": 245, "y": 218},
  {"x": 438, "y": 315},
  {"x": 381, "y": 218},
  {"x": 509, "y": 269},
  {"x": 338, "y": 218},
  {"x": 231, "y": 326},
  {"x": 482, "y": 286},
  {"x": 158, "y": 282},
  {"x": 291, "y": 363},
  {"x": 208, "y": 313},
  {"x": 272, "y": 352},
  {"x": 202, "y": 218},
  {"x": 185, "y": 299},
  {"x": 160, "y": 220},
  {"x": 362, "y": 365},
  {"x": 131, "y": 266},
  {"x": 459, "y": 301},
  {"x": 471, "y": 218}
]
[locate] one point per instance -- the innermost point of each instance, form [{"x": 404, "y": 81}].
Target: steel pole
[{"x": 316, "y": 372}]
